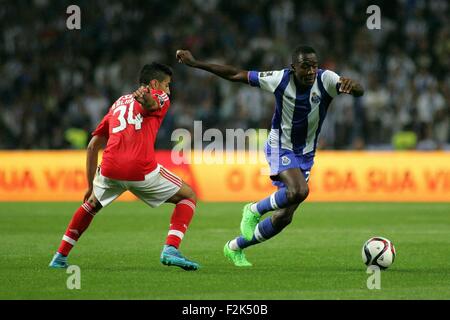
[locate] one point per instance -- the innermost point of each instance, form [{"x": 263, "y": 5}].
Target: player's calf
[
  {"x": 283, "y": 217},
  {"x": 79, "y": 223},
  {"x": 266, "y": 229},
  {"x": 179, "y": 222},
  {"x": 185, "y": 202}
]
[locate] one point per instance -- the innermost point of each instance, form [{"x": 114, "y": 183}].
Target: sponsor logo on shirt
[{"x": 265, "y": 74}]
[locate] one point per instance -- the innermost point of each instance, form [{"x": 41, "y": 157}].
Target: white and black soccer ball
[{"x": 378, "y": 251}]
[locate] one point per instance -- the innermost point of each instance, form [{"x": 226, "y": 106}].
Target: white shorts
[{"x": 158, "y": 186}]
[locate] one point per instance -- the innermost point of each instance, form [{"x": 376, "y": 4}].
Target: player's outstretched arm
[
  {"x": 227, "y": 72},
  {"x": 97, "y": 142},
  {"x": 350, "y": 86}
]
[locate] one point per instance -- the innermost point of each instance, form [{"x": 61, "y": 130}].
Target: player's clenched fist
[
  {"x": 144, "y": 97},
  {"x": 346, "y": 85},
  {"x": 185, "y": 56},
  {"x": 140, "y": 93}
]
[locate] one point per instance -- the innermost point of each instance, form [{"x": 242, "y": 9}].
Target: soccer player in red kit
[{"x": 129, "y": 131}]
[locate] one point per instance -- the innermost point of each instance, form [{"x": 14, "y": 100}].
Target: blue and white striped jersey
[{"x": 299, "y": 114}]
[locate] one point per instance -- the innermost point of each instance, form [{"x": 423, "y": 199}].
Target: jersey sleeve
[
  {"x": 266, "y": 80},
  {"x": 103, "y": 127},
  {"x": 331, "y": 82}
]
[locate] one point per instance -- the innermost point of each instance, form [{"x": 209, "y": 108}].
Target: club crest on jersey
[
  {"x": 285, "y": 160},
  {"x": 315, "y": 98},
  {"x": 265, "y": 74}
]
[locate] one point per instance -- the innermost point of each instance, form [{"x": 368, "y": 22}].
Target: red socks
[
  {"x": 79, "y": 223},
  {"x": 181, "y": 217}
]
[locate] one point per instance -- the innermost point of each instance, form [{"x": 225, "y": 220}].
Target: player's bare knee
[
  {"x": 95, "y": 204},
  {"x": 190, "y": 194},
  {"x": 297, "y": 194},
  {"x": 304, "y": 192}
]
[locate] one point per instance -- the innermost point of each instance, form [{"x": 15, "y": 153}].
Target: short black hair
[
  {"x": 302, "y": 49},
  {"x": 154, "y": 70}
]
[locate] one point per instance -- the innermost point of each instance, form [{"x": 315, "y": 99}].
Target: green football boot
[
  {"x": 236, "y": 256},
  {"x": 249, "y": 221}
]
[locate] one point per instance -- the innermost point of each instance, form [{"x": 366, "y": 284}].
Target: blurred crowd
[{"x": 56, "y": 84}]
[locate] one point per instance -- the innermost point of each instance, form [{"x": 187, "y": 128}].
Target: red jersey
[{"x": 131, "y": 131}]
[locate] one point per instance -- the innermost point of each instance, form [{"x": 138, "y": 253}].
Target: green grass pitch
[{"x": 317, "y": 257}]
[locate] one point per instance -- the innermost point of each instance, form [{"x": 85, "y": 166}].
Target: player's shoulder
[
  {"x": 126, "y": 99},
  {"x": 268, "y": 80},
  {"x": 160, "y": 93},
  {"x": 275, "y": 76},
  {"x": 123, "y": 100},
  {"x": 271, "y": 73},
  {"x": 327, "y": 75},
  {"x": 326, "y": 72}
]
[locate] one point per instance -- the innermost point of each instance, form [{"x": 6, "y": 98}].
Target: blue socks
[
  {"x": 263, "y": 231},
  {"x": 274, "y": 201}
]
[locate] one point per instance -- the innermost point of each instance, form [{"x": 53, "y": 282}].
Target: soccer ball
[{"x": 378, "y": 251}]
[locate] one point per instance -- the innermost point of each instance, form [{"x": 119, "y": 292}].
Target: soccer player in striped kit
[
  {"x": 303, "y": 93},
  {"x": 129, "y": 131}
]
